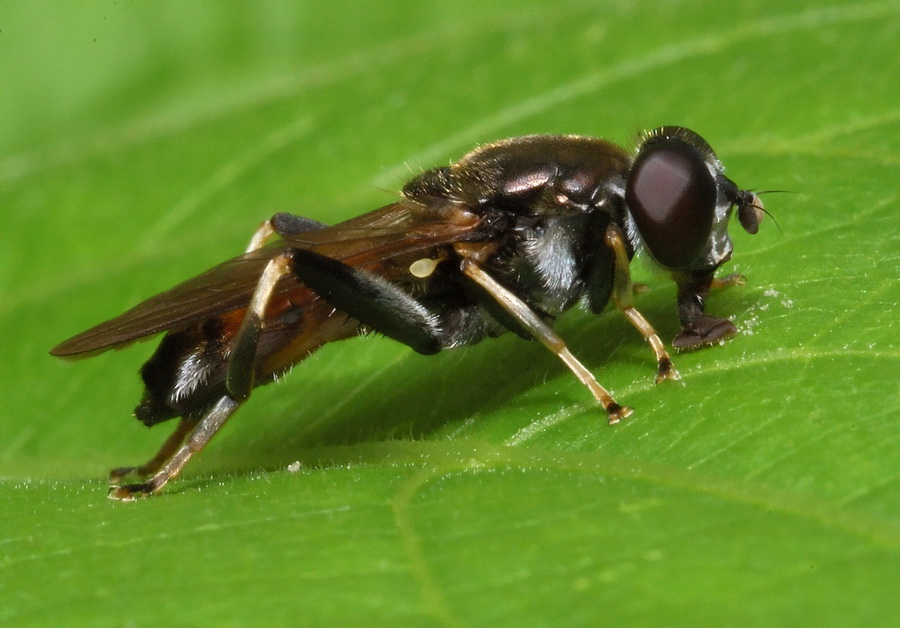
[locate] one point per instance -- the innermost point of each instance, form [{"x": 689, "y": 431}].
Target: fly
[{"x": 504, "y": 240}]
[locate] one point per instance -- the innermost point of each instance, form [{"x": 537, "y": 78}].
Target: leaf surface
[{"x": 143, "y": 143}]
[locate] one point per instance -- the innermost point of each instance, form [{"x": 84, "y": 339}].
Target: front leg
[{"x": 697, "y": 327}]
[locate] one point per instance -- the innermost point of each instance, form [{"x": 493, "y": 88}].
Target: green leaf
[{"x": 143, "y": 142}]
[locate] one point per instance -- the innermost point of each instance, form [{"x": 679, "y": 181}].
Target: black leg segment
[
  {"x": 287, "y": 224},
  {"x": 373, "y": 301}
]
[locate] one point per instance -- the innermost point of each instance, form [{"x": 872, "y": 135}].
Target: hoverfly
[{"x": 505, "y": 239}]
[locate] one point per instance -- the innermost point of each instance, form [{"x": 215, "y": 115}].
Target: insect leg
[
  {"x": 697, "y": 327},
  {"x": 283, "y": 224},
  {"x": 372, "y": 300},
  {"x": 262, "y": 233},
  {"x": 728, "y": 281},
  {"x": 168, "y": 449},
  {"x": 239, "y": 380},
  {"x": 622, "y": 294},
  {"x": 291, "y": 224},
  {"x": 202, "y": 432},
  {"x": 241, "y": 373},
  {"x": 542, "y": 332}
]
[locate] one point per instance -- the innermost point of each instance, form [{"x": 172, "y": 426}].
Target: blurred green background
[{"x": 141, "y": 143}]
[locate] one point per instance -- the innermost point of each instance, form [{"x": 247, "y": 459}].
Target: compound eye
[{"x": 672, "y": 198}]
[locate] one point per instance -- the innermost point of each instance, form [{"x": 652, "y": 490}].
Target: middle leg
[{"x": 622, "y": 294}]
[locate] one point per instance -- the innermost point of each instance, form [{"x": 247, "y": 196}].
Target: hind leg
[{"x": 190, "y": 438}]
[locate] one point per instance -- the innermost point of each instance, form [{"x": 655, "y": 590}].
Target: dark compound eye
[{"x": 672, "y": 198}]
